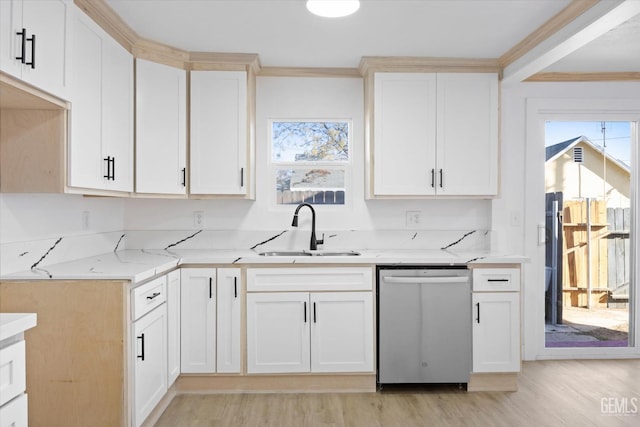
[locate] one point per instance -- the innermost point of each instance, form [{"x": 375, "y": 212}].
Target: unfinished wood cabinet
[
  {"x": 33, "y": 135},
  {"x": 77, "y": 357}
]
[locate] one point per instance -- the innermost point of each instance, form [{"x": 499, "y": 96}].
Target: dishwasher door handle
[{"x": 426, "y": 280}]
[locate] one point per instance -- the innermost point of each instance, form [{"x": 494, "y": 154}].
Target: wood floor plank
[{"x": 551, "y": 393}]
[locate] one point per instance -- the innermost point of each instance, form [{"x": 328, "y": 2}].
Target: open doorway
[{"x": 588, "y": 227}]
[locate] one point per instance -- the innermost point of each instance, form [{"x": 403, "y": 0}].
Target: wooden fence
[
  {"x": 595, "y": 253},
  {"x": 288, "y": 197}
]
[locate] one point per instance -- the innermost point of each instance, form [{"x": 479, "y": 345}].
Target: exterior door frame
[{"x": 538, "y": 111}]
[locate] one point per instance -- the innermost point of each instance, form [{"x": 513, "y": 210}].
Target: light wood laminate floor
[{"x": 552, "y": 393}]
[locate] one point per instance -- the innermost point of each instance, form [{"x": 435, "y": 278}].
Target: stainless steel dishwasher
[{"x": 424, "y": 325}]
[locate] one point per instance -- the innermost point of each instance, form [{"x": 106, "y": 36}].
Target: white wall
[{"x": 25, "y": 217}]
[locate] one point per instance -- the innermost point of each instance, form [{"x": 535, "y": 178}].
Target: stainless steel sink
[
  {"x": 285, "y": 253},
  {"x": 309, "y": 253},
  {"x": 344, "y": 253}
]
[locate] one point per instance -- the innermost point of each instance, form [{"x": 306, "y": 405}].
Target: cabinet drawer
[
  {"x": 496, "y": 279},
  {"x": 13, "y": 379},
  {"x": 310, "y": 279},
  {"x": 15, "y": 413},
  {"x": 148, "y": 296}
]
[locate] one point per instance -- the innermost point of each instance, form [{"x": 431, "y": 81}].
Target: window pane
[
  {"x": 311, "y": 185},
  {"x": 310, "y": 141}
]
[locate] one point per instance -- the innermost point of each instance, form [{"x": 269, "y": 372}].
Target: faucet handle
[{"x": 320, "y": 241}]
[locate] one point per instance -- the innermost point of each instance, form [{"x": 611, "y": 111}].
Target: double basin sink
[{"x": 309, "y": 253}]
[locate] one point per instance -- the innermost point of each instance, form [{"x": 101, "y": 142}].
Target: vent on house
[{"x": 578, "y": 155}]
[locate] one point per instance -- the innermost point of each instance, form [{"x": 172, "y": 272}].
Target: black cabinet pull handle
[
  {"x": 111, "y": 168},
  {"x": 305, "y": 312},
  {"x": 184, "y": 177},
  {"x": 314, "y": 312},
  {"x": 440, "y": 178},
  {"x": 433, "y": 178},
  {"x": 141, "y": 356},
  {"x": 23, "y": 42},
  {"x": 153, "y": 295},
  {"x": 108, "y": 160},
  {"x": 478, "y": 307},
  {"x": 235, "y": 287},
  {"x": 32, "y": 39},
  {"x": 497, "y": 280},
  {"x": 210, "y": 287},
  {"x": 241, "y": 177}
]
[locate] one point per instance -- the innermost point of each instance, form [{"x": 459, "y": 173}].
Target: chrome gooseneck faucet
[{"x": 314, "y": 242}]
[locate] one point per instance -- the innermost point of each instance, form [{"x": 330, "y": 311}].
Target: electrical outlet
[
  {"x": 85, "y": 220},
  {"x": 198, "y": 219},
  {"x": 414, "y": 219}
]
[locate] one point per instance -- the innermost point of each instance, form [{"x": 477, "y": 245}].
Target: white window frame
[{"x": 346, "y": 166}]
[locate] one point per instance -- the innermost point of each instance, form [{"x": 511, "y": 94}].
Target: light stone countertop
[{"x": 139, "y": 265}]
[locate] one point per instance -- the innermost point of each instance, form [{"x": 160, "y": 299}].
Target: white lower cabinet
[
  {"x": 210, "y": 320},
  {"x": 278, "y": 332},
  {"x": 149, "y": 344},
  {"x": 496, "y": 320},
  {"x": 151, "y": 362},
  {"x": 15, "y": 413},
  {"x": 228, "y": 320},
  {"x": 13, "y": 381},
  {"x": 302, "y": 331},
  {"x": 173, "y": 326}
]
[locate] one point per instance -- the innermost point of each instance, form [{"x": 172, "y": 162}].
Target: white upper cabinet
[
  {"x": 218, "y": 140},
  {"x": 101, "y": 93},
  {"x": 467, "y": 134},
  {"x": 405, "y": 133},
  {"x": 434, "y": 134},
  {"x": 33, "y": 42},
  {"x": 161, "y": 133}
]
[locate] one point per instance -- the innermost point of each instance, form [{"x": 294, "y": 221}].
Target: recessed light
[{"x": 333, "y": 8}]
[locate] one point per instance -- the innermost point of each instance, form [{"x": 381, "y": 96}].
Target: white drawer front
[
  {"x": 148, "y": 296},
  {"x": 13, "y": 379},
  {"x": 310, "y": 279},
  {"x": 15, "y": 413},
  {"x": 496, "y": 279}
]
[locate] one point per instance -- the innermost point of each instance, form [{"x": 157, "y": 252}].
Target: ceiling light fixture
[{"x": 333, "y": 8}]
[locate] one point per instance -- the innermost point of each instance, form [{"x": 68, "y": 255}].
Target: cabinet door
[
  {"x": 160, "y": 128},
  {"x": 150, "y": 334},
  {"x": 173, "y": 326},
  {"x": 228, "y": 311},
  {"x": 48, "y": 21},
  {"x": 278, "y": 332},
  {"x": 10, "y": 42},
  {"x": 117, "y": 114},
  {"x": 15, "y": 413},
  {"x": 467, "y": 123},
  {"x": 86, "y": 165},
  {"x": 198, "y": 320},
  {"x": 218, "y": 145},
  {"x": 342, "y": 332},
  {"x": 404, "y": 135},
  {"x": 496, "y": 332}
]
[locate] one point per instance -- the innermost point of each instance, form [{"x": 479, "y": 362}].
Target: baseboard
[
  {"x": 164, "y": 403},
  {"x": 507, "y": 381},
  {"x": 276, "y": 383}
]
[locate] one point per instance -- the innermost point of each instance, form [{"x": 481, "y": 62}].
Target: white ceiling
[{"x": 284, "y": 34}]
